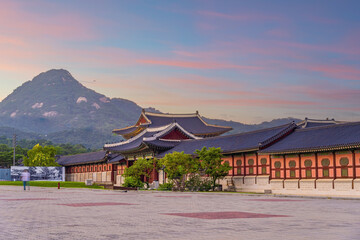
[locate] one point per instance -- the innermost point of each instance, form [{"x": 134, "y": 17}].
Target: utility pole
[{"x": 14, "y": 146}]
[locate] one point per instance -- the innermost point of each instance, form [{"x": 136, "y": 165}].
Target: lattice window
[
  {"x": 238, "y": 165},
  {"x": 344, "y": 162},
  {"x": 263, "y": 162},
  {"x": 292, "y": 165},
  {"x": 277, "y": 165},
  {"x": 325, "y": 163},
  {"x": 251, "y": 166},
  {"x": 308, "y": 164}
]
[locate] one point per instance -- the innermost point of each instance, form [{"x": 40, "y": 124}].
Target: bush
[
  {"x": 166, "y": 187},
  {"x": 133, "y": 182},
  {"x": 205, "y": 185},
  {"x": 197, "y": 183}
]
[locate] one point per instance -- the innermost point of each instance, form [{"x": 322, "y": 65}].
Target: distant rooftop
[
  {"x": 339, "y": 136},
  {"x": 87, "y": 158},
  {"x": 241, "y": 142},
  {"x": 192, "y": 123},
  {"x": 309, "y": 123}
]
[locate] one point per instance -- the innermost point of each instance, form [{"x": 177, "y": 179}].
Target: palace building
[{"x": 312, "y": 157}]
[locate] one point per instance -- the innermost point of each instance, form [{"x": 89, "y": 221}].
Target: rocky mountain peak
[
  {"x": 56, "y": 101},
  {"x": 56, "y": 77}
]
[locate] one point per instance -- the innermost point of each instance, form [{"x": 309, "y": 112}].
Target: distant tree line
[{"x": 38, "y": 152}]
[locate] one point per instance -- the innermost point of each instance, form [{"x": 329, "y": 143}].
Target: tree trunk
[{"x": 214, "y": 182}]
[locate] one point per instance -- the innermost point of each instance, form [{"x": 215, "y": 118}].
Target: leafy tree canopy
[
  {"x": 141, "y": 167},
  {"x": 41, "y": 156},
  {"x": 211, "y": 163},
  {"x": 177, "y": 166}
]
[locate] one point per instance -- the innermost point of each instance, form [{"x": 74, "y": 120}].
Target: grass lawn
[{"x": 51, "y": 184}]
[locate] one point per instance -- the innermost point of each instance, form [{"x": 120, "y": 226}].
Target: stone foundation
[
  {"x": 307, "y": 184},
  {"x": 249, "y": 180},
  {"x": 291, "y": 184},
  {"x": 357, "y": 184},
  {"x": 277, "y": 184},
  {"x": 343, "y": 184},
  {"x": 324, "y": 184},
  {"x": 263, "y": 180}
]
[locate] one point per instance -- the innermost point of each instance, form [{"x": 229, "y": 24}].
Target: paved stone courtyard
[{"x": 47, "y": 213}]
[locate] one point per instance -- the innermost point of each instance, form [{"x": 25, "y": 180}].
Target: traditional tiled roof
[
  {"x": 162, "y": 144},
  {"x": 87, "y": 158},
  {"x": 309, "y": 123},
  {"x": 149, "y": 138},
  {"x": 126, "y": 130},
  {"x": 114, "y": 158},
  {"x": 242, "y": 142},
  {"x": 325, "y": 138},
  {"x": 193, "y": 123}
]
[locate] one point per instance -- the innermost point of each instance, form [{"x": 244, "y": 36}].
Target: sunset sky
[{"x": 247, "y": 61}]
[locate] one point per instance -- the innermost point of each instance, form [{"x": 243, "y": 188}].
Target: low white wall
[
  {"x": 277, "y": 184},
  {"x": 324, "y": 184},
  {"x": 291, "y": 184},
  {"x": 357, "y": 184},
  {"x": 343, "y": 184},
  {"x": 307, "y": 184}
]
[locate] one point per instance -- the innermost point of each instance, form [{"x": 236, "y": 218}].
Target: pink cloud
[
  {"x": 279, "y": 33},
  {"x": 337, "y": 71},
  {"x": 239, "y": 17},
  {"x": 15, "y": 20},
  {"x": 11, "y": 41},
  {"x": 197, "y": 65},
  {"x": 340, "y": 48},
  {"x": 321, "y": 91},
  {"x": 258, "y": 102}
]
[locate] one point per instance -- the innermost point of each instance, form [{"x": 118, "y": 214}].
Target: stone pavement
[{"x": 48, "y": 213}]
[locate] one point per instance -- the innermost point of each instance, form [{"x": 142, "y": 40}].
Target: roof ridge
[
  {"x": 211, "y": 125},
  {"x": 171, "y": 114},
  {"x": 278, "y": 135},
  {"x": 328, "y": 126},
  {"x": 239, "y": 134},
  {"x": 82, "y": 154}
]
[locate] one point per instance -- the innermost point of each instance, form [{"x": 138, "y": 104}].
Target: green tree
[
  {"x": 177, "y": 165},
  {"x": 41, "y": 156},
  {"x": 133, "y": 174},
  {"x": 211, "y": 163},
  {"x": 7, "y": 153}
]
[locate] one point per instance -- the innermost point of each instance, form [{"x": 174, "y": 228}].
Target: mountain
[
  {"x": 56, "y": 107},
  {"x": 54, "y": 101},
  {"x": 241, "y": 127}
]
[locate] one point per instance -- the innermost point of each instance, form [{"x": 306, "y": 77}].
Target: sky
[{"x": 246, "y": 61}]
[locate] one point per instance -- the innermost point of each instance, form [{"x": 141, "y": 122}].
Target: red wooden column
[
  {"x": 112, "y": 173},
  {"x": 233, "y": 167},
  {"x": 316, "y": 168},
  {"x": 300, "y": 176},
  {"x": 284, "y": 159},
  {"x": 257, "y": 166},
  {"x": 244, "y": 159},
  {"x": 299, "y": 156},
  {"x": 334, "y": 162},
  {"x": 155, "y": 175},
  {"x": 270, "y": 160},
  {"x": 354, "y": 167}
]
